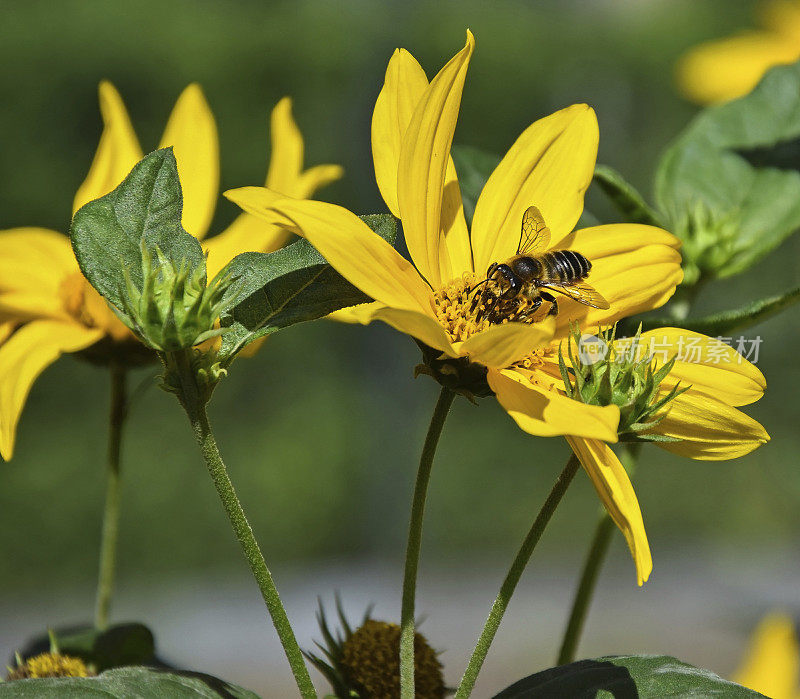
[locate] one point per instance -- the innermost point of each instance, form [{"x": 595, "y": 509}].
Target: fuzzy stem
[
  {"x": 513, "y": 576},
  {"x": 108, "y": 536},
  {"x": 194, "y": 403},
  {"x": 407, "y": 690}
]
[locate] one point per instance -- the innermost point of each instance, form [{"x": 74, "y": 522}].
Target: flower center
[{"x": 453, "y": 306}]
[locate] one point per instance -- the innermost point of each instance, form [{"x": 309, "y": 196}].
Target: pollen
[
  {"x": 50, "y": 665},
  {"x": 535, "y": 359},
  {"x": 453, "y": 306}
]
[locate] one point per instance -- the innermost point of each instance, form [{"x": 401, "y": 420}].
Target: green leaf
[
  {"x": 107, "y": 233},
  {"x": 626, "y": 677},
  {"x": 291, "y": 285},
  {"x": 123, "y": 683},
  {"x": 733, "y": 320},
  {"x": 473, "y": 166},
  {"x": 718, "y": 185},
  {"x": 625, "y": 197},
  {"x": 119, "y": 645}
]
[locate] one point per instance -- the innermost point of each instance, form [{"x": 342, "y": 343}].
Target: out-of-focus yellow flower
[
  {"x": 723, "y": 69},
  {"x": 47, "y": 308},
  {"x": 635, "y": 267},
  {"x": 772, "y": 663}
]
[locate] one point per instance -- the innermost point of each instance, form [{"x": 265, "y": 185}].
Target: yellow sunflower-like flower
[
  {"x": 723, "y": 69},
  {"x": 772, "y": 663},
  {"x": 47, "y": 308},
  {"x": 634, "y": 267}
]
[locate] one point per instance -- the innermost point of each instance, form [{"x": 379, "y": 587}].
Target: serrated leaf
[
  {"x": 119, "y": 645},
  {"x": 123, "y": 683},
  {"x": 625, "y": 197},
  {"x": 107, "y": 233},
  {"x": 626, "y": 677},
  {"x": 724, "y": 164},
  {"x": 720, "y": 324},
  {"x": 473, "y": 167},
  {"x": 291, "y": 285}
]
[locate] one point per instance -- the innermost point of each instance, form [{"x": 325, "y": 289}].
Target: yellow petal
[
  {"x": 546, "y": 413},
  {"x": 454, "y": 229},
  {"x": 550, "y": 166},
  {"x": 402, "y": 89},
  {"x": 709, "y": 430},
  {"x": 192, "y": 132},
  {"x": 246, "y": 234},
  {"x": 500, "y": 346},
  {"x": 781, "y": 16},
  {"x": 618, "y": 497},
  {"x": 724, "y": 69},
  {"x": 117, "y": 152},
  {"x": 6, "y": 328},
  {"x": 23, "y": 357},
  {"x": 423, "y": 165},
  {"x": 772, "y": 663},
  {"x": 316, "y": 178},
  {"x": 34, "y": 260},
  {"x": 706, "y": 364},
  {"x": 636, "y": 268},
  {"x": 286, "y": 158},
  {"x": 356, "y": 252},
  {"x": 418, "y": 325},
  {"x": 362, "y": 313}
]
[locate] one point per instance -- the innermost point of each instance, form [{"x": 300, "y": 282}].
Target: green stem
[
  {"x": 591, "y": 568},
  {"x": 583, "y": 596},
  {"x": 194, "y": 403},
  {"x": 108, "y": 537},
  {"x": 513, "y": 576},
  {"x": 407, "y": 690}
]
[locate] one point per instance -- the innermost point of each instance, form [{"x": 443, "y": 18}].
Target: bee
[{"x": 517, "y": 288}]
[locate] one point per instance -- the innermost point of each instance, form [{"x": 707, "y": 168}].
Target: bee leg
[{"x": 552, "y": 301}]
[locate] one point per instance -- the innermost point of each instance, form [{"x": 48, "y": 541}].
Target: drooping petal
[
  {"x": 706, "y": 364},
  {"x": 286, "y": 157},
  {"x": 772, "y": 664},
  {"x": 546, "y": 413},
  {"x": 363, "y": 313},
  {"x": 500, "y": 346},
  {"x": 316, "y": 178},
  {"x": 423, "y": 164},
  {"x": 117, "y": 152},
  {"x": 419, "y": 325},
  {"x": 247, "y": 233},
  {"x": 708, "y": 429},
  {"x": 192, "y": 132},
  {"x": 724, "y": 69},
  {"x": 635, "y": 267},
  {"x": 361, "y": 256},
  {"x": 550, "y": 166},
  {"x": 616, "y": 492},
  {"x": 23, "y": 357}
]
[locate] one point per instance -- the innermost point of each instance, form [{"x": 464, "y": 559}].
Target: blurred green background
[{"x": 322, "y": 430}]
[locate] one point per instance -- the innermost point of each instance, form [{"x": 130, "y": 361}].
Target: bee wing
[
  {"x": 535, "y": 235},
  {"x": 582, "y": 293}
]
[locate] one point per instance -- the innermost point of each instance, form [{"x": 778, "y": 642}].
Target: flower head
[
  {"x": 51, "y": 664},
  {"x": 513, "y": 353},
  {"x": 723, "y": 69},
  {"x": 47, "y": 308}
]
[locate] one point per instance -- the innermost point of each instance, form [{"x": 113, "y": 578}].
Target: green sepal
[
  {"x": 288, "y": 286},
  {"x": 625, "y": 197},
  {"x": 126, "y": 682},
  {"x": 720, "y": 324},
  {"x": 623, "y": 676},
  {"x": 730, "y": 206},
  {"x": 143, "y": 212}
]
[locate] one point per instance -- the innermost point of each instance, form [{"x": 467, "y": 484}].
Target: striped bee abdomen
[{"x": 565, "y": 266}]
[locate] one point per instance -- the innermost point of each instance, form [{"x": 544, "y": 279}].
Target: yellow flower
[
  {"x": 772, "y": 664},
  {"x": 721, "y": 70},
  {"x": 635, "y": 267},
  {"x": 46, "y": 306}
]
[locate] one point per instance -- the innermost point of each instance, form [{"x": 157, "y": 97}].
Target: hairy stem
[
  {"x": 513, "y": 576},
  {"x": 108, "y": 538},
  {"x": 407, "y": 690},
  {"x": 192, "y": 399}
]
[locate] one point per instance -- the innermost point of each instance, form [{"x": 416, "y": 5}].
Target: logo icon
[{"x": 592, "y": 349}]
